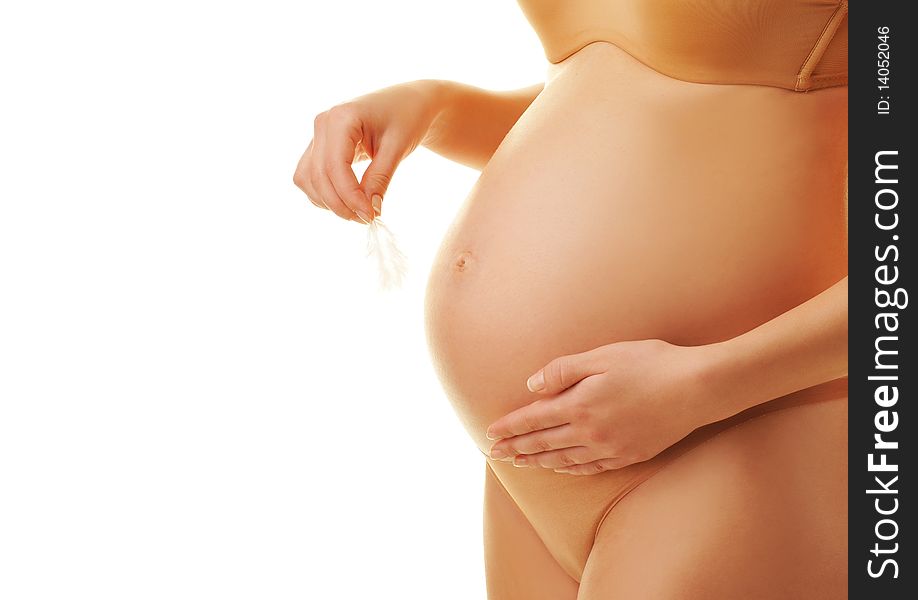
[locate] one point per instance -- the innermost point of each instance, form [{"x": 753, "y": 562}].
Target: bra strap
[{"x": 804, "y": 76}]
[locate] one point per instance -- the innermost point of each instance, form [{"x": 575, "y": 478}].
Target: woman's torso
[{"x": 626, "y": 204}]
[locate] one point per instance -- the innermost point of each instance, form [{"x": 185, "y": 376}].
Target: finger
[
  {"x": 554, "y": 438},
  {"x": 322, "y": 184},
  {"x": 594, "y": 467},
  {"x": 541, "y": 414},
  {"x": 378, "y": 175},
  {"x": 563, "y": 372},
  {"x": 311, "y": 194},
  {"x": 301, "y": 177},
  {"x": 342, "y": 139},
  {"x": 554, "y": 459},
  {"x": 329, "y": 197}
]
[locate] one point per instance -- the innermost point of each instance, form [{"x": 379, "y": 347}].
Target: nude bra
[{"x": 799, "y": 45}]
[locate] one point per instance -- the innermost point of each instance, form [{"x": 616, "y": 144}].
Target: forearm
[
  {"x": 800, "y": 348},
  {"x": 471, "y": 121}
]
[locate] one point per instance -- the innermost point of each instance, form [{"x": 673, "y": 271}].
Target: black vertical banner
[{"x": 882, "y": 368}]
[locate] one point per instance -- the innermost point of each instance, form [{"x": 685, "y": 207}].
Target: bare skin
[
  {"x": 573, "y": 433},
  {"x": 610, "y": 220}
]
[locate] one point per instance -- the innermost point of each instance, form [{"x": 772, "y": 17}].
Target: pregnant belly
[{"x": 628, "y": 205}]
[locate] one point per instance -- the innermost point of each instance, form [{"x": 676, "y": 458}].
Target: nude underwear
[{"x": 795, "y": 45}]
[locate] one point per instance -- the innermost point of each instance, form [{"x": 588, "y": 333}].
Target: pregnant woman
[{"x": 640, "y": 311}]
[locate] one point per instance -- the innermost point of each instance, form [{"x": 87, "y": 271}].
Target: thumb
[
  {"x": 376, "y": 178},
  {"x": 561, "y": 373}
]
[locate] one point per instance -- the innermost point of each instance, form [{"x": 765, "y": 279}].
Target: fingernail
[
  {"x": 377, "y": 204},
  {"x": 492, "y": 436},
  {"x": 363, "y": 216},
  {"x": 497, "y": 453},
  {"x": 520, "y": 461},
  {"x": 562, "y": 471},
  {"x": 536, "y": 382}
]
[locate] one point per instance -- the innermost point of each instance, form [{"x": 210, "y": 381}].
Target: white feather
[{"x": 391, "y": 263}]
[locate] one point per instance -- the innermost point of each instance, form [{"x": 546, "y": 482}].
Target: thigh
[
  {"x": 757, "y": 512},
  {"x": 517, "y": 564}
]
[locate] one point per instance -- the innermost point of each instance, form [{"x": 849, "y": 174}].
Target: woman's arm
[
  {"x": 458, "y": 121},
  {"x": 471, "y": 121},
  {"x": 625, "y": 402},
  {"x": 800, "y": 348},
  {"x": 803, "y": 347}
]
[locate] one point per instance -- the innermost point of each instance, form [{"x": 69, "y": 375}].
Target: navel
[{"x": 462, "y": 261}]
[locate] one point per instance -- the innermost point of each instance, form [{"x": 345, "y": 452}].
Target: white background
[{"x": 202, "y": 392}]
